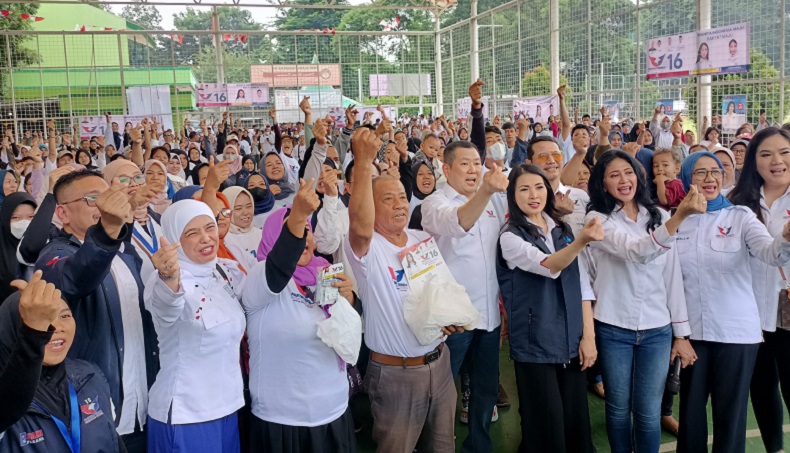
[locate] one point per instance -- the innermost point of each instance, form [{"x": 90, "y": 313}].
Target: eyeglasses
[
  {"x": 138, "y": 179},
  {"x": 543, "y": 158},
  {"x": 739, "y": 151},
  {"x": 90, "y": 200},
  {"x": 717, "y": 173},
  {"x": 223, "y": 213}
]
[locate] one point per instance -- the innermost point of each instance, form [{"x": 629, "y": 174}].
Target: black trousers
[
  {"x": 553, "y": 407},
  {"x": 334, "y": 437},
  {"x": 668, "y": 399},
  {"x": 722, "y": 372},
  {"x": 771, "y": 370}
]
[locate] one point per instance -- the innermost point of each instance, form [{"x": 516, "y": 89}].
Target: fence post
[
  {"x": 703, "y": 82},
  {"x": 437, "y": 58},
  {"x": 554, "y": 44},
  {"x": 11, "y": 80}
]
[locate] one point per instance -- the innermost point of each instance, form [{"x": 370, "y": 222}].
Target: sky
[{"x": 262, "y": 15}]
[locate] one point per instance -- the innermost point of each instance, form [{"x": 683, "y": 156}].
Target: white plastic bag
[
  {"x": 342, "y": 331},
  {"x": 440, "y": 304}
]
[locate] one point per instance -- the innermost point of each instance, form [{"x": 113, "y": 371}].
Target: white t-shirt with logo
[{"x": 383, "y": 286}]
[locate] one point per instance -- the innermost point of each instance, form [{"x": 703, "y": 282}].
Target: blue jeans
[
  {"x": 634, "y": 366},
  {"x": 480, "y": 349}
]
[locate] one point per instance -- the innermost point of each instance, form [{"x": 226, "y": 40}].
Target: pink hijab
[
  {"x": 161, "y": 203},
  {"x": 303, "y": 275}
]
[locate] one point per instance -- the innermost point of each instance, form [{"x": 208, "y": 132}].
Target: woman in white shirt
[
  {"x": 714, "y": 251},
  {"x": 640, "y": 301},
  {"x": 764, "y": 187},
  {"x": 193, "y": 299},
  {"x": 298, "y": 384}
]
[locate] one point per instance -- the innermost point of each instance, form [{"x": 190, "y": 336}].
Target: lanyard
[
  {"x": 152, "y": 248},
  {"x": 72, "y": 438}
]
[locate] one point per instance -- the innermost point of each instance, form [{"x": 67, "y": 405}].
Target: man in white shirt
[
  {"x": 462, "y": 220},
  {"x": 410, "y": 384}
]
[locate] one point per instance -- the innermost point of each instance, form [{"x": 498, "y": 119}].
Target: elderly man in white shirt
[
  {"x": 409, "y": 384},
  {"x": 462, "y": 220}
]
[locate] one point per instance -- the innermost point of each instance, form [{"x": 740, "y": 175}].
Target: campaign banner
[
  {"x": 338, "y": 114},
  {"x": 464, "y": 107},
  {"x": 293, "y": 75},
  {"x": 287, "y": 103},
  {"x": 212, "y": 95},
  {"x": 669, "y": 107},
  {"x": 96, "y": 126},
  {"x": 733, "y": 112},
  {"x": 239, "y": 94},
  {"x": 722, "y": 50},
  {"x": 538, "y": 108},
  {"x": 260, "y": 94}
]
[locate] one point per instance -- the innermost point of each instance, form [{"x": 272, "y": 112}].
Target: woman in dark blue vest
[
  {"x": 49, "y": 403},
  {"x": 547, "y": 296}
]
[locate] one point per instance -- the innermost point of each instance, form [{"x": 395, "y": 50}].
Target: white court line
[{"x": 672, "y": 446}]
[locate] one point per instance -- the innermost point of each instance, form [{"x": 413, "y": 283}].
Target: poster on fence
[
  {"x": 338, "y": 114},
  {"x": 722, "y": 50},
  {"x": 260, "y": 94},
  {"x": 239, "y": 94},
  {"x": 287, "y": 102},
  {"x": 539, "y": 108},
  {"x": 212, "y": 95},
  {"x": 464, "y": 107},
  {"x": 733, "y": 112},
  {"x": 669, "y": 107},
  {"x": 95, "y": 126}
]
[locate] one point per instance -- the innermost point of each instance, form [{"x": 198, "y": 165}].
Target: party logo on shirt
[
  {"x": 787, "y": 216},
  {"x": 54, "y": 261},
  {"x": 490, "y": 214},
  {"x": 31, "y": 438},
  {"x": 399, "y": 279},
  {"x": 724, "y": 232},
  {"x": 90, "y": 407}
]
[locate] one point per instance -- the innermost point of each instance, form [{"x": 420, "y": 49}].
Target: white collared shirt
[
  {"x": 580, "y": 199},
  {"x": 199, "y": 330},
  {"x": 523, "y": 254},
  {"x": 627, "y": 265},
  {"x": 135, "y": 379},
  {"x": 766, "y": 280},
  {"x": 470, "y": 255},
  {"x": 383, "y": 286},
  {"x": 714, "y": 250}
]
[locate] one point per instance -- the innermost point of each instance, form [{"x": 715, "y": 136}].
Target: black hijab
[
  {"x": 10, "y": 267},
  {"x": 53, "y": 388},
  {"x": 416, "y": 169}
]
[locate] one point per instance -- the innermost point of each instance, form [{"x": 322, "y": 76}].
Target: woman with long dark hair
[
  {"x": 640, "y": 301},
  {"x": 764, "y": 188},
  {"x": 546, "y": 291}
]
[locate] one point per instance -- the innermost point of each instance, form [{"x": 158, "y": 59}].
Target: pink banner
[{"x": 292, "y": 75}]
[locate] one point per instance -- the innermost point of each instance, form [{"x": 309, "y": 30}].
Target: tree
[
  {"x": 538, "y": 82},
  {"x": 142, "y": 14},
  {"x": 21, "y": 55},
  {"x": 230, "y": 18},
  {"x": 289, "y": 50}
]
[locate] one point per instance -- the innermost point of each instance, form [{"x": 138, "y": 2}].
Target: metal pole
[
  {"x": 474, "y": 57},
  {"x": 520, "y": 50},
  {"x": 782, "y": 41},
  {"x": 41, "y": 81},
  {"x": 419, "y": 69},
  {"x": 638, "y": 79},
  {"x": 703, "y": 82},
  {"x": 554, "y": 44},
  {"x": 68, "y": 82},
  {"x": 589, "y": 52},
  {"x": 121, "y": 64},
  {"x": 11, "y": 79},
  {"x": 175, "y": 83},
  {"x": 437, "y": 58},
  {"x": 95, "y": 71},
  {"x": 452, "y": 69},
  {"x": 600, "y": 90},
  {"x": 359, "y": 84},
  {"x": 218, "y": 47}
]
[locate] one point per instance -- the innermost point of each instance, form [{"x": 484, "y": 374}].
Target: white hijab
[{"x": 174, "y": 221}]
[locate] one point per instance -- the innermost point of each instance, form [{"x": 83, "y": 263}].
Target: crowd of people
[{"x": 160, "y": 287}]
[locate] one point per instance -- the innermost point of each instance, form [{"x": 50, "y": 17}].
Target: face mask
[
  {"x": 258, "y": 194},
  {"x": 19, "y": 227},
  {"x": 665, "y": 126},
  {"x": 230, "y": 156},
  {"x": 497, "y": 151}
]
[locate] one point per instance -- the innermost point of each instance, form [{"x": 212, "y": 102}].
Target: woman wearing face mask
[
  {"x": 277, "y": 177},
  {"x": 193, "y": 298},
  {"x": 51, "y": 404},
  {"x": 15, "y": 216},
  {"x": 231, "y": 153},
  {"x": 263, "y": 197},
  {"x": 764, "y": 188},
  {"x": 724, "y": 317},
  {"x": 244, "y": 237},
  {"x": 640, "y": 301}
]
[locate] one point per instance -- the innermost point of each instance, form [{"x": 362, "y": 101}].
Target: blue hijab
[
  {"x": 261, "y": 206},
  {"x": 717, "y": 203},
  {"x": 186, "y": 193}
]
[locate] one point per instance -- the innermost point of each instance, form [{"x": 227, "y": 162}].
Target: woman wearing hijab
[
  {"x": 727, "y": 159},
  {"x": 243, "y": 237},
  {"x": 15, "y": 215},
  {"x": 84, "y": 158},
  {"x": 278, "y": 180},
  {"x": 193, "y": 298},
  {"x": 724, "y": 317},
  {"x": 156, "y": 178},
  {"x": 51, "y": 404},
  {"x": 10, "y": 184},
  {"x": 146, "y": 229},
  {"x": 262, "y": 196},
  {"x": 282, "y": 317},
  {"x": 764, "y": 188},
  {"x": 231, "y": 153},
  {"x": 188, "y": 193},
  {"x": 175, "y": 172}
]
